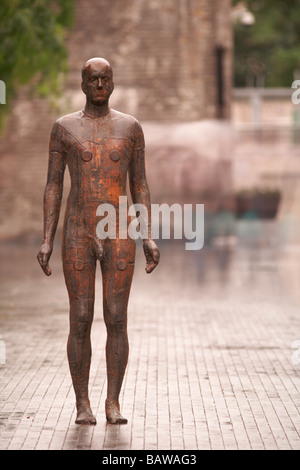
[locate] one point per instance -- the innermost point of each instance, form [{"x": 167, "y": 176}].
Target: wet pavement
[{"x": 214, "y": 353}]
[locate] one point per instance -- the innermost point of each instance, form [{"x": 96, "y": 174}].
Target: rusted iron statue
[{"x": 100, "y": 146}]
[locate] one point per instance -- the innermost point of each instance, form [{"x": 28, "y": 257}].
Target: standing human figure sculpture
[{"x": 100, "y": 146}]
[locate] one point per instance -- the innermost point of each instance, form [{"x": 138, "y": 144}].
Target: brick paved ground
[{"x": 211, "y": 366}]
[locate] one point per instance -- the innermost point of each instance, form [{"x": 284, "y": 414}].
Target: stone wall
[{"x": 163, "y": 54}]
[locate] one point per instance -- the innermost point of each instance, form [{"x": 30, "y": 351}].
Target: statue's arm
[
  {"x": 139, "y": 188},
  {"x": 141, "y": 195},
  {"x": 52, "y": 196}
]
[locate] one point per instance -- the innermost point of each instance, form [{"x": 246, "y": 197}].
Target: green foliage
[
  {"x": 32, "y": 37},
  {"x": 268, "y": 52}
]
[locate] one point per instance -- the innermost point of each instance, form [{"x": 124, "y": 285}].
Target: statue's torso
[{"x": 98, "y": 152}]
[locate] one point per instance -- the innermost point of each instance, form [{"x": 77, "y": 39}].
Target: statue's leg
[
  {"x": 117, "y": 272},
  {"x": 80, "y": 281}
]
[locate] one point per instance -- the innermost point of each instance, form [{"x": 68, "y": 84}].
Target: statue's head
[{"x": 97, "y": 80}]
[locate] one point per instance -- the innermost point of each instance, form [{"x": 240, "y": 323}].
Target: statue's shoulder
[
  {"x": 131, "y": 120},
  {"x": 128, "y": 122},
  {"x": 67, "y": 127},
  {"x": 70, "y": 120},
  {"x": 129, "y": 127}
]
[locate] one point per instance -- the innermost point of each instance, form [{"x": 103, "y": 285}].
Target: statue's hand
[
  {"x": 152, "y": 255},
  {"x": 44, "y": 256}
]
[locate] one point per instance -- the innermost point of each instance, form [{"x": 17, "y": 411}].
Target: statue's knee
[
  {"x": 82, "y": 310},
  {"x": 116, "y": 328},
  {"x": 80, "y": 330},
  {"x": 115, "y": 321}
]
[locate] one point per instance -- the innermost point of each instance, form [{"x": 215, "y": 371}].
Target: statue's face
[{"x": 97, "y": 83}]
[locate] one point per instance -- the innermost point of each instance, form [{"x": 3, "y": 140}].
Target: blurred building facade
[
  {"x": 172, "y": 63},
  {"x": 172, "y": 60}
]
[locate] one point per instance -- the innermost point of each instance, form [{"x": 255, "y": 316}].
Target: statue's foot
[
  {"x": 85, "y": 415},
  {"x": 113, "y": 415}
]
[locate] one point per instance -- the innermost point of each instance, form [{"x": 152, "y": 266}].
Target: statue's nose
[{"x": 99, "y": 83}]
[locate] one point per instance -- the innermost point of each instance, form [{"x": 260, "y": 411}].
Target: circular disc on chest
[
  {"x": 86, "y": 156},
  {"x": 115, "y": 155}
]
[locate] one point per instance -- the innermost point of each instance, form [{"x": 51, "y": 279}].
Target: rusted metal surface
[{"x": 101, "y": 147}]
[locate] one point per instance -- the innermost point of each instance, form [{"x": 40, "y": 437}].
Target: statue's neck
[{"x": 95, "y": 111}]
